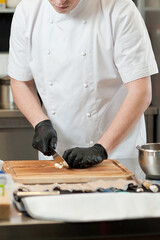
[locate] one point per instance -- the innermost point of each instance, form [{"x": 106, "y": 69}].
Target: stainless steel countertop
[
  {"x": 13, "y": 118},
  {"x": 21, "y": 226},
  {"x": 10, "y": 113},
  {"x": 152, "y": 110},
  {"x": 26, "y": 228},
  {"x": 15, "y": 113}
]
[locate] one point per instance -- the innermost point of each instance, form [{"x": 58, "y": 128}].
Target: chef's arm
[
  {"x": 139, "y": 94},
  {"x": 27, "y": 100},
  {"x": 136, "y": 102}
]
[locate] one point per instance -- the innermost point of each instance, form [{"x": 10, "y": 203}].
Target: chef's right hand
[{"x": 45, "y": 137}]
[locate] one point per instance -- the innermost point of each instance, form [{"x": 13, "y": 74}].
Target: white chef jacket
[{"x": 80, "y": 63}]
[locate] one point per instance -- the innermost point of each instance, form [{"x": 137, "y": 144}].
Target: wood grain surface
[
  {"x": 44, "y": 172},
  {"x": 5, "y": 206}
]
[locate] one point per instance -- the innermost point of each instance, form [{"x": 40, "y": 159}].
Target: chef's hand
[
  {"x": 85, "y": 157},
  {"x": 45, "y": 137}
]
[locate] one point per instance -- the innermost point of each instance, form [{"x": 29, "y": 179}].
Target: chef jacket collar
[{"x": 58, "y": 17}]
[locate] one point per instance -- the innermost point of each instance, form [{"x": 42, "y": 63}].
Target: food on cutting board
[{"x": 59, "y": 165}]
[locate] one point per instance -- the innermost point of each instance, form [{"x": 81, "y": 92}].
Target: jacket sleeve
[
  {"x": 133, "y": 54},
  {"x": 18, "y": 66}
]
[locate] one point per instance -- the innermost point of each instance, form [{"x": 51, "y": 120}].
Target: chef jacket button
[
  {"x": 84, "y": 21},
  {"x": 85, "y": 85},
  {"x": 51, "y": 83},
  {"x": 83, "y": 54},
  {"x": 53, "y": 112},
  {"x": 48, "y": 52},
  {"x": 51, "y": 21},
  {"x": 91, "y": 142},
  {"x": 88, "y": 114}
]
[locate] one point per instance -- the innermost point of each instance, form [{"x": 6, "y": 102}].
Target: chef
[{"x": 91, "y": 62}]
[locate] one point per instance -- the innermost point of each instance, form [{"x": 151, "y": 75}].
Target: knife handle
[{"x": 19, "y": 195}]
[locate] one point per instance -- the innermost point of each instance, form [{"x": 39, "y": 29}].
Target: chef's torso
[{"x": 80, "y": 68}]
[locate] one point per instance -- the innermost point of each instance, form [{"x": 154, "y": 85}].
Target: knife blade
[{"x": 57, "y": 157}]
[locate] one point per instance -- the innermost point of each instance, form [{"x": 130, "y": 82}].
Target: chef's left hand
[{"x": 85, "y": 157}]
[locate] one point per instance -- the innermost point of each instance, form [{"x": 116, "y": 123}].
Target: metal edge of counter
[
  {"x": 10, "y": 113},
  {"x": 16, "y": 113}
]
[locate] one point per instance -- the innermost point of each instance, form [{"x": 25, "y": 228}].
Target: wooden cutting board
[{"x": 44, "y": 172}]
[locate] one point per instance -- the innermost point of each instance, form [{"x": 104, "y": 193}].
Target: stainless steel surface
[
  {"x": 153, "y": 26},
  {"x": 151, "y": 115},
  {"x": 141, "y": 5},
  {"x": 149, "y": 159},
  {"x": 14, "y": 126},
  {"x": 158, "y": 127},
  {"x": 150, "y": 10},
  {"x": 21, "y": 226},
  {"x": 6, "y": 98},
  {"x": 16, "y": 135},
  {"x": 153, "y": 3},
  {"x": 10, "y": 113}
]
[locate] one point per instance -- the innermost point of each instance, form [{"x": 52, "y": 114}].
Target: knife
[{"x": 57, "y": 157}]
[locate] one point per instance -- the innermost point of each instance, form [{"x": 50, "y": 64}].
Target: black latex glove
[
  {"x": 45, "y": 137},
  {"x": 85, "y": 157}
]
